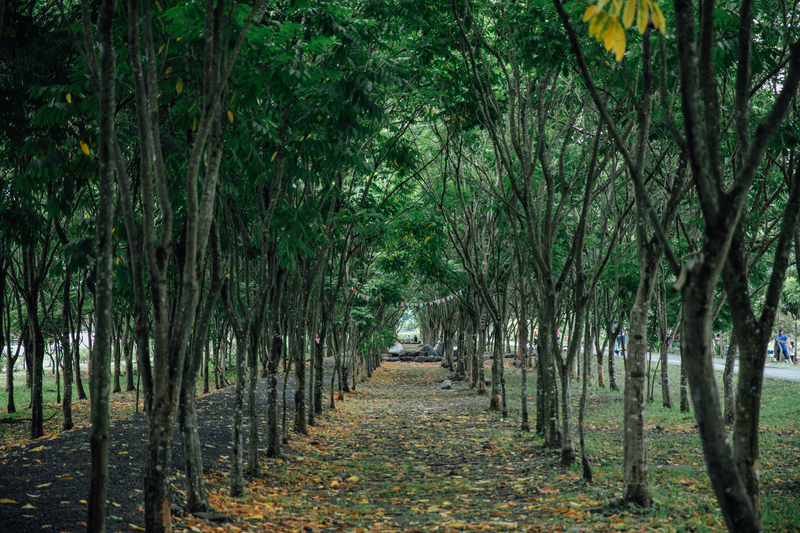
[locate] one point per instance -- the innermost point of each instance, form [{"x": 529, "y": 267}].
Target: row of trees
[{"x": 212, "y": 165}]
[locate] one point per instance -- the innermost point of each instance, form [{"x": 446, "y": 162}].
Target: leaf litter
[{"x": 402, "y": 454}]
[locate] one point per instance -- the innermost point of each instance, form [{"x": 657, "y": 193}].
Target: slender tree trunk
[
  {"x": 117, "y": 341},
  {"x": 128, "y": 347},
  {"x": 273, "y": 434},
  {"x": 196, "y": 494},
  {"x": 252, "y": 407},
  {"x": 66, "y": 348},
  {"x": 32, "y": 307},
  {"x": 696, "y": 349},
  {"x": 685, "y": 405},
  {"x": 206, "y": 369},
  {"x": 10, "y": 405},
  {"x": 481, "y": 351},
  {"x": 666, "y": 341},
  {"x": 727, "y": 378},
  {"x": 99, "y": 436},
  {"x": 635, "y": 485},
  {"x": 585, "y": 464},
  {"x": 548, "y": 346},
  {"x": 237, "y": 455}
]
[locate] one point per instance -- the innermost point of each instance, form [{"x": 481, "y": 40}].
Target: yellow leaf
[
  {"x": 641, "y": 17},
  {"x": 619, "y": 44},
  {"x": 6, "y": 500},
  {"x": 179, "y": 86},
  {"x": 82, "y": 501},
  {"x": 43, "y": 485},
  {"x": 427, "y": 239},
  {"x": 230, "y": 116},
  {"x": 159, "y": 7},
  {"x": 194, "y": 124},
  {"x": 658, "y": 18},
  {"x": 353, "y": 479},
  {"x": 616, "y": 6},
  {"x": 85, "y": 150},
  {"x": 609, "y": 35},
  {"x": 628, "y": 13},
  {"x": 590, "y": 12},
  {"x": 160, "y": 48},
  {"x": 115, "y": 504},
  {"x": 273, "y": 157},
  {"x": 136, "y": 528},
  {"x": 179, "y": 38},
  {"x": 597, "y": 24},
  {"x": 28, "y": 506},
  {"x": 169, "y": 69},
  {"x": 40, "y": 448},
  {"x": 69, "y": 98},
  {"x": 256, "y": 517}
]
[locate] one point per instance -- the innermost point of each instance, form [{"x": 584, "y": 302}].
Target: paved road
[{"x": 785, "y": 372}]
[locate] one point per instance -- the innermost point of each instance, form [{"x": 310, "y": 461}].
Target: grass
[
  {"x": 677, "y": 472},
  {"x": 19, "y": 430}
]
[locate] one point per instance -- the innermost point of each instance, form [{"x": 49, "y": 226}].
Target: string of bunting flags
[{"x": 437, "y": 301}]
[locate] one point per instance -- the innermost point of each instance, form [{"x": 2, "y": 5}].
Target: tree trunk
[
  {"x": 727, "y": 379},
  {"x": 100, "y": 384},
  {"x": 206, "y": 369},
  {"x": 585, "y": 464},
  {"x": 117, "y": 341},
  {"x": 666, "y": 397},
  {"x": 635, "y": 487},
  {"x": 34, "y": 349},
  {"x": 66, "y": 404},
  {"x": 319, "y": 358},
  {"x": 297, "y": 328},
  {"x": 194, "y": 484},
  {"x": 128, "y": 347},
  {"x": 547, "y": 348},
  {"x": 481, "y": 350},
  {"x": 273, "y": 434},
  {"x": 237, "y": 459},
  {"x": 696, "y": 349},
  {"x": 10, "y": 405},
  {"x": 685, "y": 405}
]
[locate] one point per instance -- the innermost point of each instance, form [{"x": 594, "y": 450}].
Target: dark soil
[{"x": 48, "y": 478}]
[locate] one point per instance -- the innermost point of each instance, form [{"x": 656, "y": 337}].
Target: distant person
[
  {"x": 415, "y": 339},
  {"x": 792, "y": 353},
  {"x": 781, "y": 345},
  {"x": 620, "y": 340}
]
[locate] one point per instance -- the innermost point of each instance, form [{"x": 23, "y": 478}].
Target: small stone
[{"x": 446, "y": 384}]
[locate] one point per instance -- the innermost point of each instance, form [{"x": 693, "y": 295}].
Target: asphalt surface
[{"x": 784, "y": 371}]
